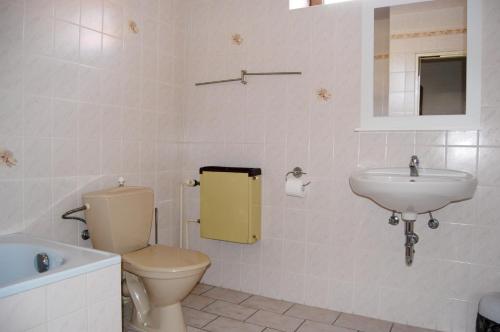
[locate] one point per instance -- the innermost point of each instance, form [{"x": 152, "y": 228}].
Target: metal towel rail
[{"x": 245, "y": 73}]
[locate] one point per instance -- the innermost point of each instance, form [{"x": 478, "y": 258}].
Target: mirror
[
  {"x": 420, "y": 58},
  {"x": 421, "y": 65}
]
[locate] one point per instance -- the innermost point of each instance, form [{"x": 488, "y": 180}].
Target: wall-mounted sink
[
  {"x": 411, "y": 191},
  {"x": 396, "y": 190}
]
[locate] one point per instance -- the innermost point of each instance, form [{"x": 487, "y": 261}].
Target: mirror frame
[{"x": 469, "y": 121}]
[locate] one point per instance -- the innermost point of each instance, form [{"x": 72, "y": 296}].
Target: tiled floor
[{"x": 214, "y": 309}]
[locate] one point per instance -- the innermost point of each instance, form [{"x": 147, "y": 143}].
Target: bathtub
[{"x": 18, "y": 272}]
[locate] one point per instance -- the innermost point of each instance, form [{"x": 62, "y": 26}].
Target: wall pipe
[{"x": 183, "y": 224}]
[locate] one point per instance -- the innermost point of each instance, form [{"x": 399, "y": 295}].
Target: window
[{"x": 295, "y": 4}]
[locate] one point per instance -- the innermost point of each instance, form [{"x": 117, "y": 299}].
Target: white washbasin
[{"x": 394, "y": 188}]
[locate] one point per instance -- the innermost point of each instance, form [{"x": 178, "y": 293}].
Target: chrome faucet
[{"x": 414, "y": 162}]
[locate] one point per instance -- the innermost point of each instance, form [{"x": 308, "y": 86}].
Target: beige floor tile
[
  {"x": 201, "y": 288},
  {"x": 271, "y": 330},
  {"x": 407, "y": 328},
  {"x": 230, "y": 310},
  {"x": 193, "y": 329},
  {"x": 227, "y": 295},
  {"x": 222, "y": 324},
  {"x": 276, "y": 321},
  {"x": 310, "y": 326},
  {"x": 197, "y": 301},
  {"x": 196, "y": 318},
  {"x": 363, "y": 324},
  {"x": 266, "y": 303},
  {"x": 313, "y": 313}
]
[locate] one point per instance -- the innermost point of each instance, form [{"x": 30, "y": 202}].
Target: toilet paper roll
[{"x": 294, "y": 187}]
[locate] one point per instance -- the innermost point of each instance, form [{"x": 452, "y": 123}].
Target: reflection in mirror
[
  {"x": 420, "y": 59},
  {"x": 442, "y": 80}
]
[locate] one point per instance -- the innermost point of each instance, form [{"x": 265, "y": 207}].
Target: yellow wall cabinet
[{"x": 230, "y": 203}]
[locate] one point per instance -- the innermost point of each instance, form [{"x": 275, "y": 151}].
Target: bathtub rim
[{"x": 100, "y": 260}]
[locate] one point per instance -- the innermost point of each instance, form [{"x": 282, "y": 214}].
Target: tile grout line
[
  {"x": 267, "y": 309},
  {"x": 216, "y": 317},
  {"x": 300, "y": 325},
  {"x": 264, "y": 326},
  {"x": 336, "y": 319},
  {"x": 205, "y": 291},
  {"x": 202, "y": 308},
  {"x": 249, "y": 296},
  {"x": 287, "y": 310},
  {"x": 222, "y": 315},
  {"x": 251, "y": 315}
]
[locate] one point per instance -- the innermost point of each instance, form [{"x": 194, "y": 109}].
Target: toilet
[{"x": 156, "y": 277}]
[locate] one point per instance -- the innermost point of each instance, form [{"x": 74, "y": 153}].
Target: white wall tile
[
  {"x": 464, "y": 159},
  {"x": 66, "y": 40},
  {"x": 61, "y": 306},
  {"x": 488, "y": 158},
  {"x": 39, "y": 35},
  {"x": 68, "y": 10},
  {"x": 92, "y": 14},
  {"x": 66, "y": 81},
  {"x": 102, "y": 284},
  {"x": 40, "y": 8},
  {"x": 23, "y": 311},
  {"x": 76, "y": 322},
  {"x": 113, "y": 18},
  {"x": 11, "y": 192},
  {"x": 66, "y": 297},
  {"x": 38, "y": 75},
  {"x": 90, "y": 47},
  {"x": 73, "y": 51},
  {"x": 12, "y": 23},
  {"x": 37, "y": 157}
]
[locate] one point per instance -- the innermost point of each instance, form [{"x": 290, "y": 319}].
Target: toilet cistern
[{"x": 157, "y": 277}]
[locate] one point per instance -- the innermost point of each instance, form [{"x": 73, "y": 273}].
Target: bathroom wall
[
  {"x": 333, "y": 249},
  {"x": 90, "y": 302},
  {"x": 84, "y": 100}
]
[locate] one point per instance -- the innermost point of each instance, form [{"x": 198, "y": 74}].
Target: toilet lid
[{"x": 159, "y": 258}]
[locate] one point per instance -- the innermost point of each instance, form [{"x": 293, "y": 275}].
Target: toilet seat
[{"x": 164, "y": 262}]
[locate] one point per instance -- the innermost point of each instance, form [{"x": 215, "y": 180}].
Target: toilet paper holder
[{"x": 297, "y": 172}]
